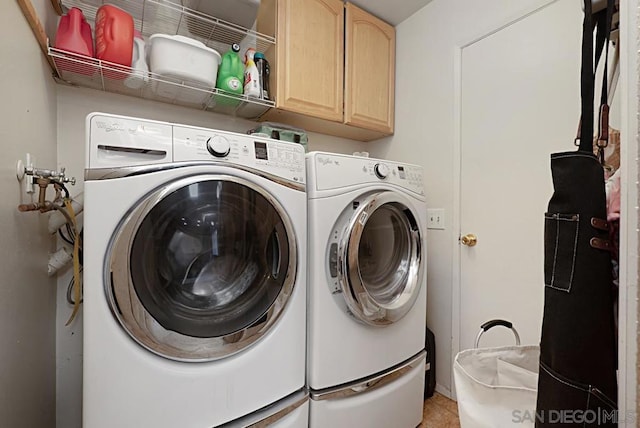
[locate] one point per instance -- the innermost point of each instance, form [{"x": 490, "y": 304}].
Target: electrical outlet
[{"x": 435, "y": 218}]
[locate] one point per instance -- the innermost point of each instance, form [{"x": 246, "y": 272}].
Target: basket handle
[{"x": 493, "y": 323}]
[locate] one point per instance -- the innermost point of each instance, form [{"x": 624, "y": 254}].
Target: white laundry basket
[{"x": 497, "y": 387}]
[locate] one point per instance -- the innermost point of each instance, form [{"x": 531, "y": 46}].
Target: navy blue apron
[{"x": 577, "y": 382}]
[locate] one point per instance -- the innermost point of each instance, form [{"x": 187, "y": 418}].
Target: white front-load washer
[
  {"x": 367, "y": 292},
  {"x": 194, "y": 277}
]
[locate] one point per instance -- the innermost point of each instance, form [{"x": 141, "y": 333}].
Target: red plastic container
[
  {"x": 74, "y": 36},
  {"x": 114, "y": 38}
]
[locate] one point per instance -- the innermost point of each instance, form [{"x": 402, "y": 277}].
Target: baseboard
[{"x": 444, "y": 391}]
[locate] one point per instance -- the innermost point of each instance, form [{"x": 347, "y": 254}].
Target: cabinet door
[
  {"x": 369, "y": 71},
  {"x": 310, "y": 51}
]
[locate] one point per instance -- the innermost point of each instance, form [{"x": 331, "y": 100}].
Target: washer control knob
[
  {"x": 381, "y": 170},
  {"x": 218, "y": 146}
]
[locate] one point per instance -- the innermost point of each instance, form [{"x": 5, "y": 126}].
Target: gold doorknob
[{"x": 469, "y": 240}]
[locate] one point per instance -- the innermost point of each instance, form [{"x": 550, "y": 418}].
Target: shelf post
[{"x": 30, "y": 14}]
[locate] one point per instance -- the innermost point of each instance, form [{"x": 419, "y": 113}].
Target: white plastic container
[
  {"x": 139, "y": 69},
  {"x": 182, "y": 61}
]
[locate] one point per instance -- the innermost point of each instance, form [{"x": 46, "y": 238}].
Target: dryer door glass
[
  {"x": 384, "y": 253},
  {"x": 381, "y": 258},
  {"x": 212, "y": 259}
]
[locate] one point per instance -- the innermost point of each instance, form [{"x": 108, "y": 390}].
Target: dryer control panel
[{"x": 334, "y": 171}]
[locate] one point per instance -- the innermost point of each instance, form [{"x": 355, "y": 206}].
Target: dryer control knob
[
  {"x": 218, "y": 146},
  {"x": 381, "y": 170}
]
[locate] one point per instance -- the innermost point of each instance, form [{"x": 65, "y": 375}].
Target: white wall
[
  {"x": 27, "y": 295},
  {"x": 73, "y": 106},
  {"x": 425, "y": 131}
]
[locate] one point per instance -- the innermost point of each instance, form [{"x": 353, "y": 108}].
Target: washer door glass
[
  {"x": 382, "y": 259},
  {"x": 210, "y": 265}
]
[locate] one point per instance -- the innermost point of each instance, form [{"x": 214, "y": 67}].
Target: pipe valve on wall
[
  {"x": 64, "y": 217},
  {"x": 42, "y": 178}
]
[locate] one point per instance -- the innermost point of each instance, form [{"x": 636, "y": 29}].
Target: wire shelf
[
  {"x": 88, "y": 72},
  {"x": 171, "y": 17},
  {"x": 164, "y": 17}
]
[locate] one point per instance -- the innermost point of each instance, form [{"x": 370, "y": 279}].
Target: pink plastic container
[
  {"x": 74, "y": 33},
  {"x": 74, "y": 36}
]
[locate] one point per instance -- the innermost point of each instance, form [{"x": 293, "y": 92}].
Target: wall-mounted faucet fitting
[{"x": 43, "y": 178}]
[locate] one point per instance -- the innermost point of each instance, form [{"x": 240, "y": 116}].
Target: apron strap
[
  {"x": 603, "y": 123},
  {"x": 599, "y": 24},
  {"x": 587, "y": 83}
]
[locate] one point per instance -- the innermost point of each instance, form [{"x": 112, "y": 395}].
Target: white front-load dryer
[
  {"x": 367, "y": 291},
  {"x": 194, "y": 277}
]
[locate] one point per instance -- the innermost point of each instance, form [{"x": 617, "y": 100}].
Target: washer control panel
[
  {"x": 118, "y": 141},
  {"x": 276, "y": 157},
  {"x": 115, "y": 141}
]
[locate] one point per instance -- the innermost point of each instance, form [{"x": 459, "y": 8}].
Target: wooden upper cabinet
[
  {"x": 309, "y": 57},
  {"x": 369, "y": 71},
  {"x": 333, "y": 68}
]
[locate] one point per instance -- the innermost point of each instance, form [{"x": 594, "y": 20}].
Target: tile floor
[{"x": 440, "y": 412}]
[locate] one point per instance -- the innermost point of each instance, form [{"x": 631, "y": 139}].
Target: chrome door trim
[
  {"x": 129, "y": 311},
  {"x": 263, "y": 418},
  {"x": 371, "y": 383},
  {"x": 361, "y": 304},
  {"x": 130, "y": 171}
]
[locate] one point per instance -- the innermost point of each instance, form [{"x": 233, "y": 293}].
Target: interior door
[{"x": 520, "y": 102}]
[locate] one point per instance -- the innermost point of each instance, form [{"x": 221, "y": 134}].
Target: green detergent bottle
[{"x": 230, "y": 76}]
